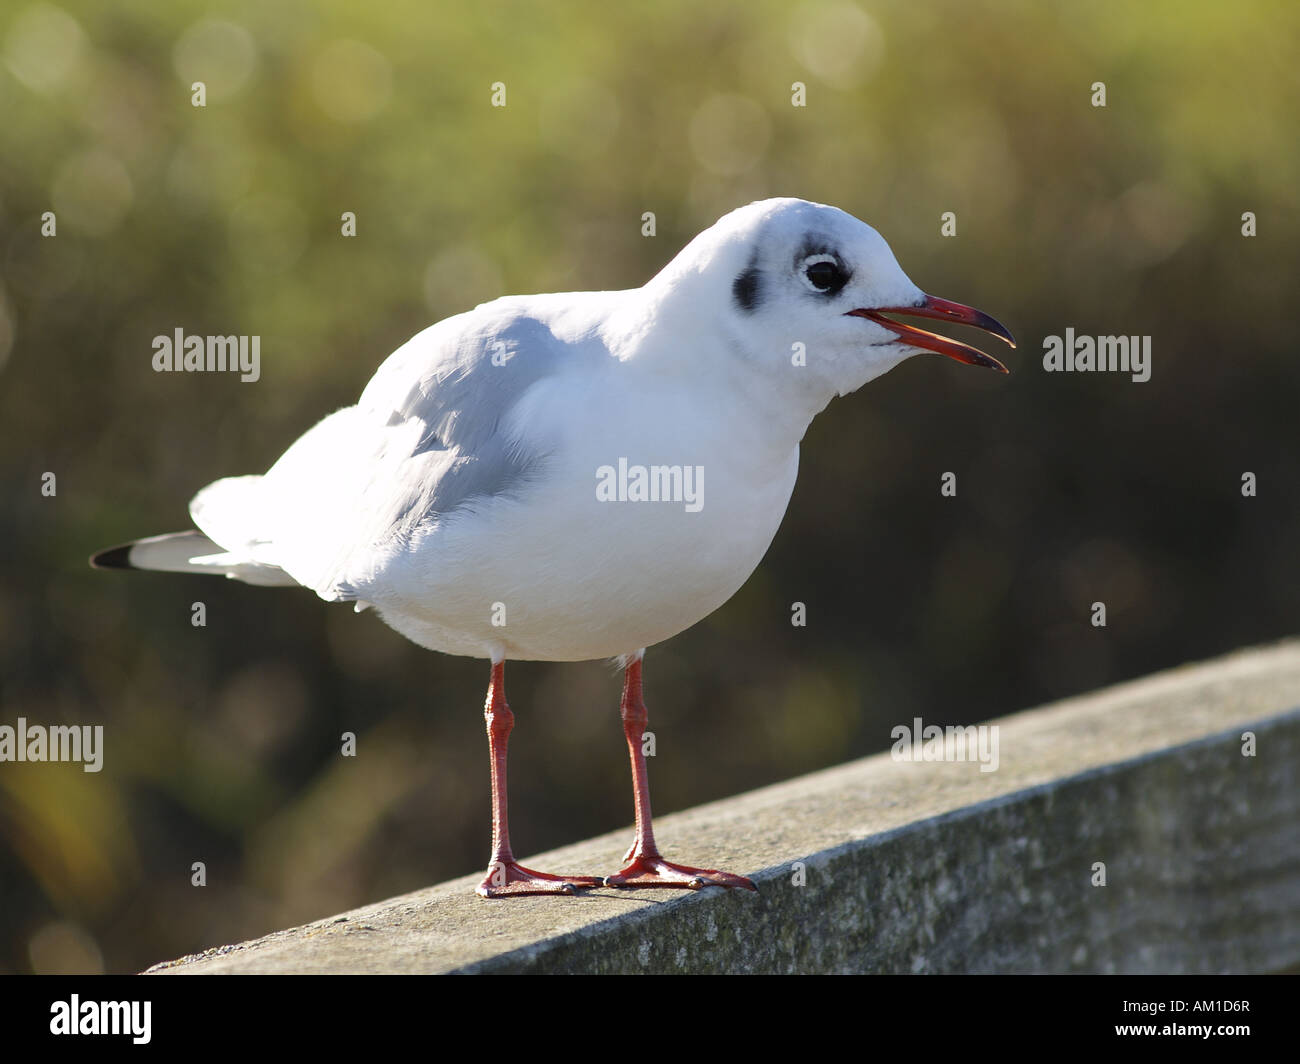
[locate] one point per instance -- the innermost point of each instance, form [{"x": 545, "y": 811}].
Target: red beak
[{"x": 944, "y": 309}]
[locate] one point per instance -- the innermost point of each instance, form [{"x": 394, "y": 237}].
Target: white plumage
[{"x": 458, "y": 496}]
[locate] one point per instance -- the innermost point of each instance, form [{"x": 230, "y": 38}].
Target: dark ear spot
[{"x": 744, "y": 290}]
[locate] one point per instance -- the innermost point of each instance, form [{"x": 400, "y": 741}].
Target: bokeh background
[{"x": 222, "y": 742}]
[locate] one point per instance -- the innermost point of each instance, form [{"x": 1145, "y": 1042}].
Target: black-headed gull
[{"x": 576, "y": 476}]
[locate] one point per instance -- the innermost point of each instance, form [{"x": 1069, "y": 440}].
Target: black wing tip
[{"x": 113, "y": 558}]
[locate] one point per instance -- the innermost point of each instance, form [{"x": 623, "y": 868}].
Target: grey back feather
[
  {"x": 461, "y": 404},
  {"x": 460, "y": 399},
  {"x": 428, "y": 439}
]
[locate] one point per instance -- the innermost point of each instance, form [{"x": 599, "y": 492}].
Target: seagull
[{"x": 579, "y": 476}]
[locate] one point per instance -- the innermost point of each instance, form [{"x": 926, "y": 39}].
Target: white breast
[{"x": 556, "y": 573}]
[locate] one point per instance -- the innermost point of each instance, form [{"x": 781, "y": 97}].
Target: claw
[
  {"x": 654, "y": 871},
  {"x": 505, "y": 879}
]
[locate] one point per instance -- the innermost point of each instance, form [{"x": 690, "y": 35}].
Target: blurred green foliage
[{"x": 222, "y": 742}]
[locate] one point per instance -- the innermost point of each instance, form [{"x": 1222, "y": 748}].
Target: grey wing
[
  {"x": 459, "y": 401},
  {"x": 429, "y": 438}
]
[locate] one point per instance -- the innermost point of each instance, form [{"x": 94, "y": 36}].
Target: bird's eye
[{"x": 824, "y": 274}]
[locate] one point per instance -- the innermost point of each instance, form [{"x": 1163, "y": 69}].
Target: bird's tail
[{"x": 189, "y": 552}]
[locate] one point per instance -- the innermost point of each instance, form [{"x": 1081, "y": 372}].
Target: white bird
[{"x": 581, "y": 475}]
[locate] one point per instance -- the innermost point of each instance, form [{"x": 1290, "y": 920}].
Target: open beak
[{"x": 945, "y": 310}]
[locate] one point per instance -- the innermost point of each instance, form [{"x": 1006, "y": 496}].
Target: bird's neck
[{"x": 770, "y": 402}]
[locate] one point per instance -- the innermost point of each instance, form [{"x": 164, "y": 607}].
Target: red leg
[
  {"x": 505, "y": 875},
  {"x": 647, "y": 867}
]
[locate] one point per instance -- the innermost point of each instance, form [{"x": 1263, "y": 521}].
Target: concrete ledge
[{"x": 925, "y": 867}]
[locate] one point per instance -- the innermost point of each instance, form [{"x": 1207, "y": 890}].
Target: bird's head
[{"x": 788, "y": 272}]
